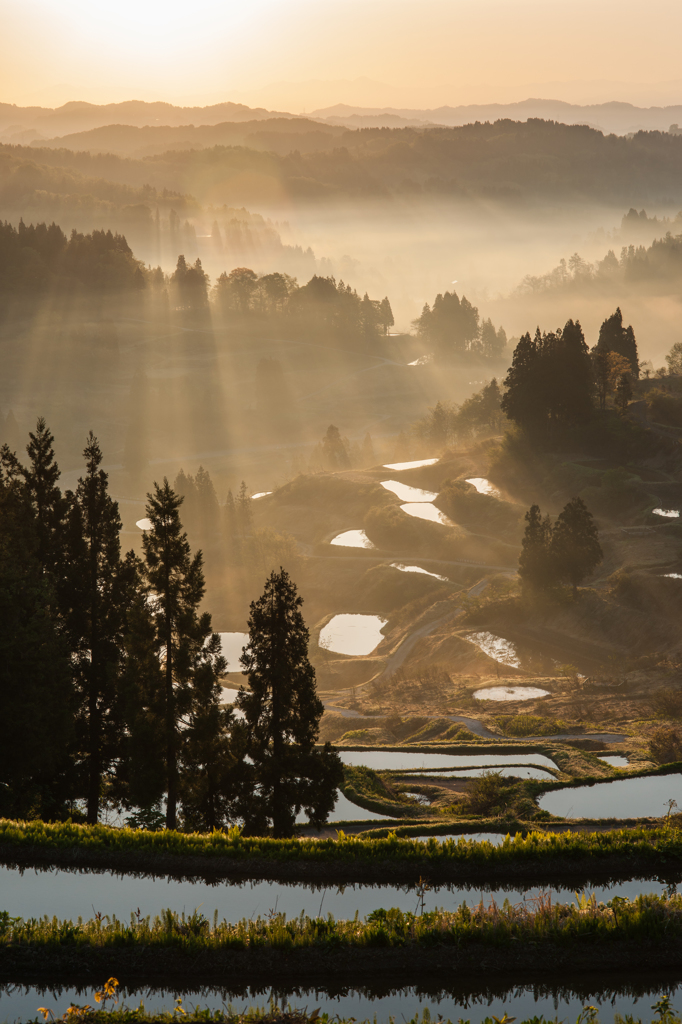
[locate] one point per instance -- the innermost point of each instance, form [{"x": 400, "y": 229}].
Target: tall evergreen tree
[
  {"x": 282, "y": 715},
  {"x": 184, "y": 638},
  {"x": 46, "y": 498},
  {"x": 535, "y": 561},
  {"x": 95, "y": 593},
  {"x": 614, "y": 337},
  {"x": 36, "y": 695},
  {"x": 575, "y": 547}
]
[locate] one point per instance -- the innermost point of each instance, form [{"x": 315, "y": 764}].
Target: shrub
[
  {"x": 488, "y": 794},
  {"x": 665, "y": 746},
  {"x": 529, "y": 725}
]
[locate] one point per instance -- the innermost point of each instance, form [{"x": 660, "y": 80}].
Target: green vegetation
[
  {"x": 640, "y": 845},
  {"x": 529, "y": 725},
  {"x": 648, "y": 918}
]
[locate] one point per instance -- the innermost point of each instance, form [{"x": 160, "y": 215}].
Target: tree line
[
  {"x": 555, "y": 380},
  {"x": 110, "y": 671},
  {"x": 567, "y": 551},
  {"x": 452, "y": 327}
]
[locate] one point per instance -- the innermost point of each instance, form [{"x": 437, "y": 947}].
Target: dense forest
[{"x": 508, "y": 161}]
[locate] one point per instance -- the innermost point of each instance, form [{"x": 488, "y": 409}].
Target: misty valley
[{"x": 340, "y": 566}]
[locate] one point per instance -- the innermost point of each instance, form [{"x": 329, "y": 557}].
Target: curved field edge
[
  {"x": 533, "y": 855},
  {"x": 646, "y": 931}
]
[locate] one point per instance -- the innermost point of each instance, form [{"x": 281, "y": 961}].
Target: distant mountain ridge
[
  {"x": 78, "y": 116},
  {"x": 613, "y": 117}
]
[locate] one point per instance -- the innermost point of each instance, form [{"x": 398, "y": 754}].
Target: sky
[{"x": 301, "y": 54}]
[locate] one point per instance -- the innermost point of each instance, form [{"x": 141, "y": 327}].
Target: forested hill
[{"x": 511, "y": 162}]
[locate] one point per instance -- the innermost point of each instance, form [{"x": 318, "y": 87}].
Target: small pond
[
  {"x": 615, "y": 760},
  {"x": 483, "y": 486},
  {"x": 623, "y": 798},
  {"x": 510, "y": 693},
  {"x": 425, "y": 510},
  {"x": 352, "y": 539},
  {"x": 417, "y": 568},
  {"x": 233, "y": 644},
  {"x": 407, "y": 493},
  {"x": 144, "y": 524},
  {"x": 669, "y": 513},
  {"x": 352, "y": 634},
  {"x": 556, "y": 998},
  {"x": 410, "y": 465},
  {"x": 261, "y": 494},
  {"x": 408, "y": 760},
  {"x": 496, "y": 647},
  {"x": 672, "y": 575}
]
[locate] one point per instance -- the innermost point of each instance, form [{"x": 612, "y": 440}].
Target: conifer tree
[
  {"x": 184, "y": 639},
  {"x": 575, "y": 547},
  {"x": 282, "y": 715},
  {"x": 535, "y": 561},
  {"x": 46, "y": 498},
  {"x": 36, "y": 694},
  {"x": 95, "y": 592},
  {"x": 244, "y": 510}
]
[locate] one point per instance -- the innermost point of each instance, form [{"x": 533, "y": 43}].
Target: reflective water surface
[
  {"x": 425, "y": 510},
  {"x": 417, "y": 568},
  {"x": 407, "y": 493},
  {"x": 483, "y": 486},
  {"x": 352, "y": 539},
  {"x": 510, "y": 693},
  {"x": 622, "y": 798},
  {"x": 352, "y": 634},
  {"x": 405, "y": 760},
  {"x": 410, "y": 465},
  {"x": 472, "y": 999},
  {"x": 233, "y": 645}
]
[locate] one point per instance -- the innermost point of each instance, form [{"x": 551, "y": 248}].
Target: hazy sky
[{"x": 299, "y": 54}]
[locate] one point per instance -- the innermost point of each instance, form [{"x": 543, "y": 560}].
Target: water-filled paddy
[
  {"x": 669, "y": 513},
  {"x": 672, "y": 575},
  {"x": 510, "y": 693},
  {"x": 69, "y": 895},
  {"x": 352, "y": 634},
  {"x": 470, "y": 1000},
  {"x": 518, "y": 772},
  {"x": 615, "y": 760},
  {"x": 425, "y": 510},
  {"x": 496, "y": 647},
  {"x": 233, "y": 644},
  {"x": 417, "y": 568},
  {"x": 352, "y": 539},
  {"x": 623, "y": 798},
  {"x": 408, "y": 760},
  {"x": 407, "y": 493},
  {"x": 261, "y": 494},
  {"x": 410, "y": 465},
  {"x": 144, "y": 524},
  {"x": 483, "y": 486}
]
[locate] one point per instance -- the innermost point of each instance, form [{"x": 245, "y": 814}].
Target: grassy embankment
[
  {"x": 534, "y": 856},
  {"x": 522, "y": 933}
]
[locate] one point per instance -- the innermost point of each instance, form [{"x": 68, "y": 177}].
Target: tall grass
[{"x": 648, "y": 918}]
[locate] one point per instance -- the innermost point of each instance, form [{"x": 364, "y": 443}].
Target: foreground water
[
  {"x": 72, "y": 894},
  {"x": 556, "y": 999}
]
